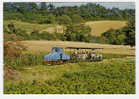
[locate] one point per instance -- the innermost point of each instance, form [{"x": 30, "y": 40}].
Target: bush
[
  {"x": 76, "y": 19},
  {"x": 64, "y": 19},
  {"x": 76, "y": 32},
  {"x": 13, "y": 51}
]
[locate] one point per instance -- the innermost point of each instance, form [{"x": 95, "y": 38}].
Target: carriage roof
[{"x": 82, "y": 48}]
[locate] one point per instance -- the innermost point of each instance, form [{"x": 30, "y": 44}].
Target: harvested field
[
  {"x": 99, "y": 27},
  {"x": 45, "y": 46}
]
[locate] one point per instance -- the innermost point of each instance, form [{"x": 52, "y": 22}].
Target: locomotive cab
[{"x": 57, "y": 56}]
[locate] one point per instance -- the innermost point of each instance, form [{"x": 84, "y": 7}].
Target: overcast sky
[{"x": 120, "y": 5}]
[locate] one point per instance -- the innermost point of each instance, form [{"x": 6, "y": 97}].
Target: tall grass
[
  {"x": 26, "y": 59},
  {"x": 33, "y": 59}
]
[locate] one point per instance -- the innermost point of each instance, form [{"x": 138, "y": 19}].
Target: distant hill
[{"x": 98, "y": 27}]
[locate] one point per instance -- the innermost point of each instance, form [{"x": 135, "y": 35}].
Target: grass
[
  {"x": 113, "y": 76},
  {"x": 45, "y": 46},
  {"x": 98, "y": 27},
  {"x": 33, "y": 59},
  {"x": 29, "y": 27}
]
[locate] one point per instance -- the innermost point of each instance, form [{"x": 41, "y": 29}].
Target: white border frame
[{"x": 68, "y": 96}]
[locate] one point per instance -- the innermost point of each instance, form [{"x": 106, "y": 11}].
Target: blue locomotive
[{"x": 57, "y": 56}]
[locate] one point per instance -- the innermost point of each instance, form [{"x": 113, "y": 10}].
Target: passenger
[
  {"x": 93, "y": 55},
  {"x": 89, "y": 55},
  {"x": 75, "y": 52}
]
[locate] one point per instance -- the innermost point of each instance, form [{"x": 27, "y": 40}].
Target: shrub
[
  {"x": 64, "y": 19},
  {"x": 13, "y": 48}
]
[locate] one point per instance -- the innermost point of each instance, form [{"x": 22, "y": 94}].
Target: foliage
[
  {"x": 26, "y": 59},
  {"x": 77, "y": 19},
  {"x": 130, "y": 32},
  {"x": 50, "y": 19},
  {"x": 64, "y": 19},
  {"x": 113, "y": 77},
  {"x": 78, "y": 32},
  {"x": 47, "y": 13},
  {"x": 13, "y": 48},
  {"x": 123, "y": 36}
]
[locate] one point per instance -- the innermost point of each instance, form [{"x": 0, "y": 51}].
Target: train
[{"x": 76, "y": 54}]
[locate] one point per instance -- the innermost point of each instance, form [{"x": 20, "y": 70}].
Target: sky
[{"x": 120, "y": 5}]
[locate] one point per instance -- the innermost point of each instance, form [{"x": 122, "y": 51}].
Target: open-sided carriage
[
  {"x": 85, "y": 54},
  {"x": 75, "y": 54}
]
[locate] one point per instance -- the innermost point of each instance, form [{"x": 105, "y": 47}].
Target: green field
[{"x": 111, "y": 76}]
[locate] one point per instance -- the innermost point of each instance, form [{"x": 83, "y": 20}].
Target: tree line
[{"x": 44, "y": 13}]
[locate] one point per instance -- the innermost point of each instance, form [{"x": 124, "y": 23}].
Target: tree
[
  {"x": 43, "y": 8},
  {"x": 76, "y": 32},
  {"x": 90, "y": 11},
  {"x": 51, "y": 19},
  {"x": 20, "y": 7},
  {"x": 130, "y": 32},
  {"x": 77, "y": 19},
  {"x": 51, "y": 8},
  {"x": 33, "y": 7},
  {"x": 121, "y": 39},
  {"x": 64, "y": 19},
  {"x": 110, "y": 36}
]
